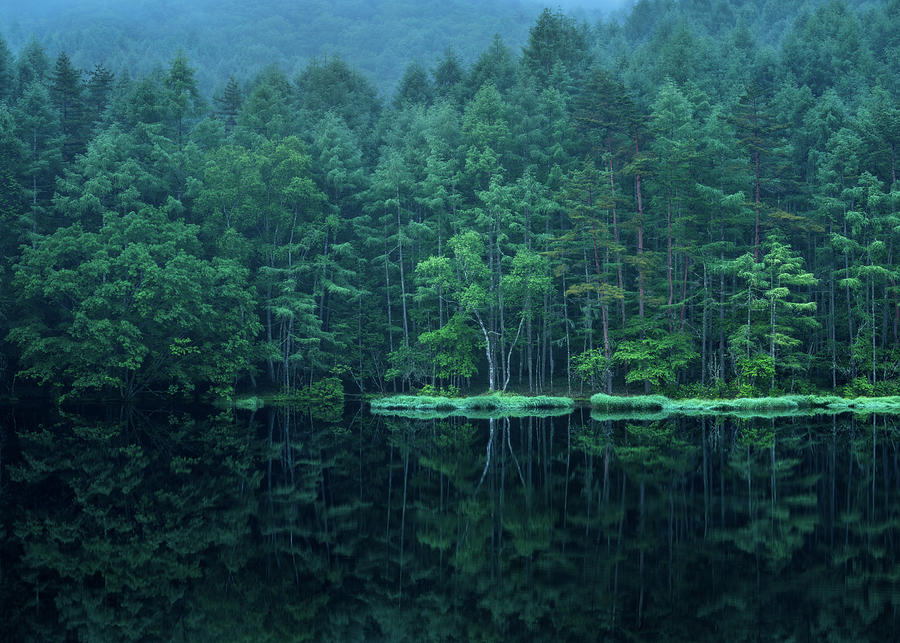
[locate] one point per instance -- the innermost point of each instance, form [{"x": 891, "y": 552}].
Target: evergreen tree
[
  {"x": 448, "y": 76},
  {"x": 99, "y": 89},
  {"x": 496, "y": 66},
  {"x": 66, "y": 94},
  {"x": 183, "y": 100},
  {"x": 333, "y": 85},
  {"x": 228, "y": 106},
  {"x": 38, "y": 127},
  {"x": 415, "y": 87},
  {"x": 266, "y": 114},
  {"x": 553, "y": 39},
  {"x": 32, "y": 66},
  {"x": 7, "y": 72},
  {"x": 760, "y": 134}
]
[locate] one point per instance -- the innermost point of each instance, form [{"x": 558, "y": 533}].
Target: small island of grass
[
  {"x": 781, "y": 404},
  {"x": 492, "y": 402}
]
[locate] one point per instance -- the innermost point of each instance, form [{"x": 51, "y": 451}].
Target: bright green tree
[{"x": 131, "y": 309}]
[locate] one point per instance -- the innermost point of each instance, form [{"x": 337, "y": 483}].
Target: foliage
[
  {"x": 745, "y": 407},
  {"x": 687, "y": 198},
  {"x": 131, "y": 308}
]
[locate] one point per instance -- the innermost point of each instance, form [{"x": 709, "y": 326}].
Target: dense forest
[{"x": 699, "y": 198}]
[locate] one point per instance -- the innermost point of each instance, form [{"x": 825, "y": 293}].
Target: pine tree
[
  {"x": 66, "y": 94},
  {"x": 32, "y": 66},
  {"x": 7, "y": 72},
  {"x": 228, "y": 106},
  {"x": 99, "y": 88},
  {"x": 555, "y": 38},
  {"x": 38, "y": 127},
  {"x": 182, "y": 94},
  {"x": 415, "y": 87},
  {"x": 448, "y": 76},
  {"x": 760, "y": 134},
  {"x": 13, "y": 198}
]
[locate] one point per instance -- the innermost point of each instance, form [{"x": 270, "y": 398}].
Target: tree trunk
[
  {"x": 669, "y": 259},
  {"x": 705, "y": 316},
  {"x": 612, "y": 189},
  {"x": 600, "y": 296},
  {"x": 687, "y": 263},
  {"x": 756, "y": 207},
  {"x": 402, "y": 276},
  {"x": 568, "y": 346},
  {"x": 640, "y": 235},
  {"x": 488, "y": 353}
]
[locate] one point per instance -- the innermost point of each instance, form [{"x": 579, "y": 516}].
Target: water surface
[{"x": 285, "y": 525}]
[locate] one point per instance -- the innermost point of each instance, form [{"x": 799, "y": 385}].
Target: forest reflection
[{"x": 297, "y": 524}]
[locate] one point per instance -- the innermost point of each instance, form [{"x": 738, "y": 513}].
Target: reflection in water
[{"x": 285, "y": 526}]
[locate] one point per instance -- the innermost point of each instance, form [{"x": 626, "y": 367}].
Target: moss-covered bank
[
  {"x": 493, "y": 402},
  {"x": 471, "y": 415},
  {"x": 758, "y": 405}
]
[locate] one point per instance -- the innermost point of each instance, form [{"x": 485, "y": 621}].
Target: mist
[{"x": 229, "y": 38}]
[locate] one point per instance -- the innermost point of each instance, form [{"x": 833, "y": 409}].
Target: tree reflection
[{"x": 287, "y": 526}]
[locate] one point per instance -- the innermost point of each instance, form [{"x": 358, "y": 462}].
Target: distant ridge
[{"x": 225, "y": 38}]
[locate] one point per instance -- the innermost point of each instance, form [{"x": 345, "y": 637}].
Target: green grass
[
  {"x": 759, "y": 406},
  {"x": 413, "y": 403},
  {"x": 492, "y": 402},
  {"x": 470, "y": 414}
]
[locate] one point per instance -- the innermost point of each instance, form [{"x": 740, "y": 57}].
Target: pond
[{"x": 289, "y": 525}]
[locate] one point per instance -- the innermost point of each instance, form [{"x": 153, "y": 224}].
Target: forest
[{"x": 697, "y": 199}]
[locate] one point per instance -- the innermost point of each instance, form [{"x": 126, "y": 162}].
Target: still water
[{"x": 293, "y": 525}]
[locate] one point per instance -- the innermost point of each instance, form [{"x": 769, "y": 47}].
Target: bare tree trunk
[
  {"x": 612, "y": 188},
  {"x": 705, "y": 318},
  {"x": 640, "y": 234},
  {"x": 687, "y": 263},
  {"x": 402, "y": 275},
  {"x": 756, "y": 207},
  {"x": 489, "y": 353},
  {"x": 568, "y": 347},
  {"x": 600, "y": 296},
  {"x": 669, "y": 260},
  {"x": 508, "y": 371}
]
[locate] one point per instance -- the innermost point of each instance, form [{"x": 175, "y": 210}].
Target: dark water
[{"x": 124, "y": 525}]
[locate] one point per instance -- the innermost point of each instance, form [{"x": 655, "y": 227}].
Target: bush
[{"x": 859, "y": 387}]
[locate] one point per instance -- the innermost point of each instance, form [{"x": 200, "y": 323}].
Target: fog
[{"x": 233, "y": 38}]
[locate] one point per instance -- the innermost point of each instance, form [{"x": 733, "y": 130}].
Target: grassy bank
[
  {"x": 784, "y": 404},
  {"x": 493, "y": 402},
  {"x": 470, "y": 414}
]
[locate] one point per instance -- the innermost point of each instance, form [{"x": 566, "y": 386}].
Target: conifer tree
[
  {"x": 38, "y": 127},
  {"x": 32, "y": 66},
  {"x": 7, "y": 72},
  {"x": 66, "y": 93},
  {"x": 759, "y": 132},
  {"x": 182, "y": 95},
  {"x": 228, "y": 105},
  {"x": 99, "y": 88},
  {"x": 448, "y": 76}
]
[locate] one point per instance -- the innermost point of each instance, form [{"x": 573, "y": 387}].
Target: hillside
[{"x": 231, "y": 37}]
